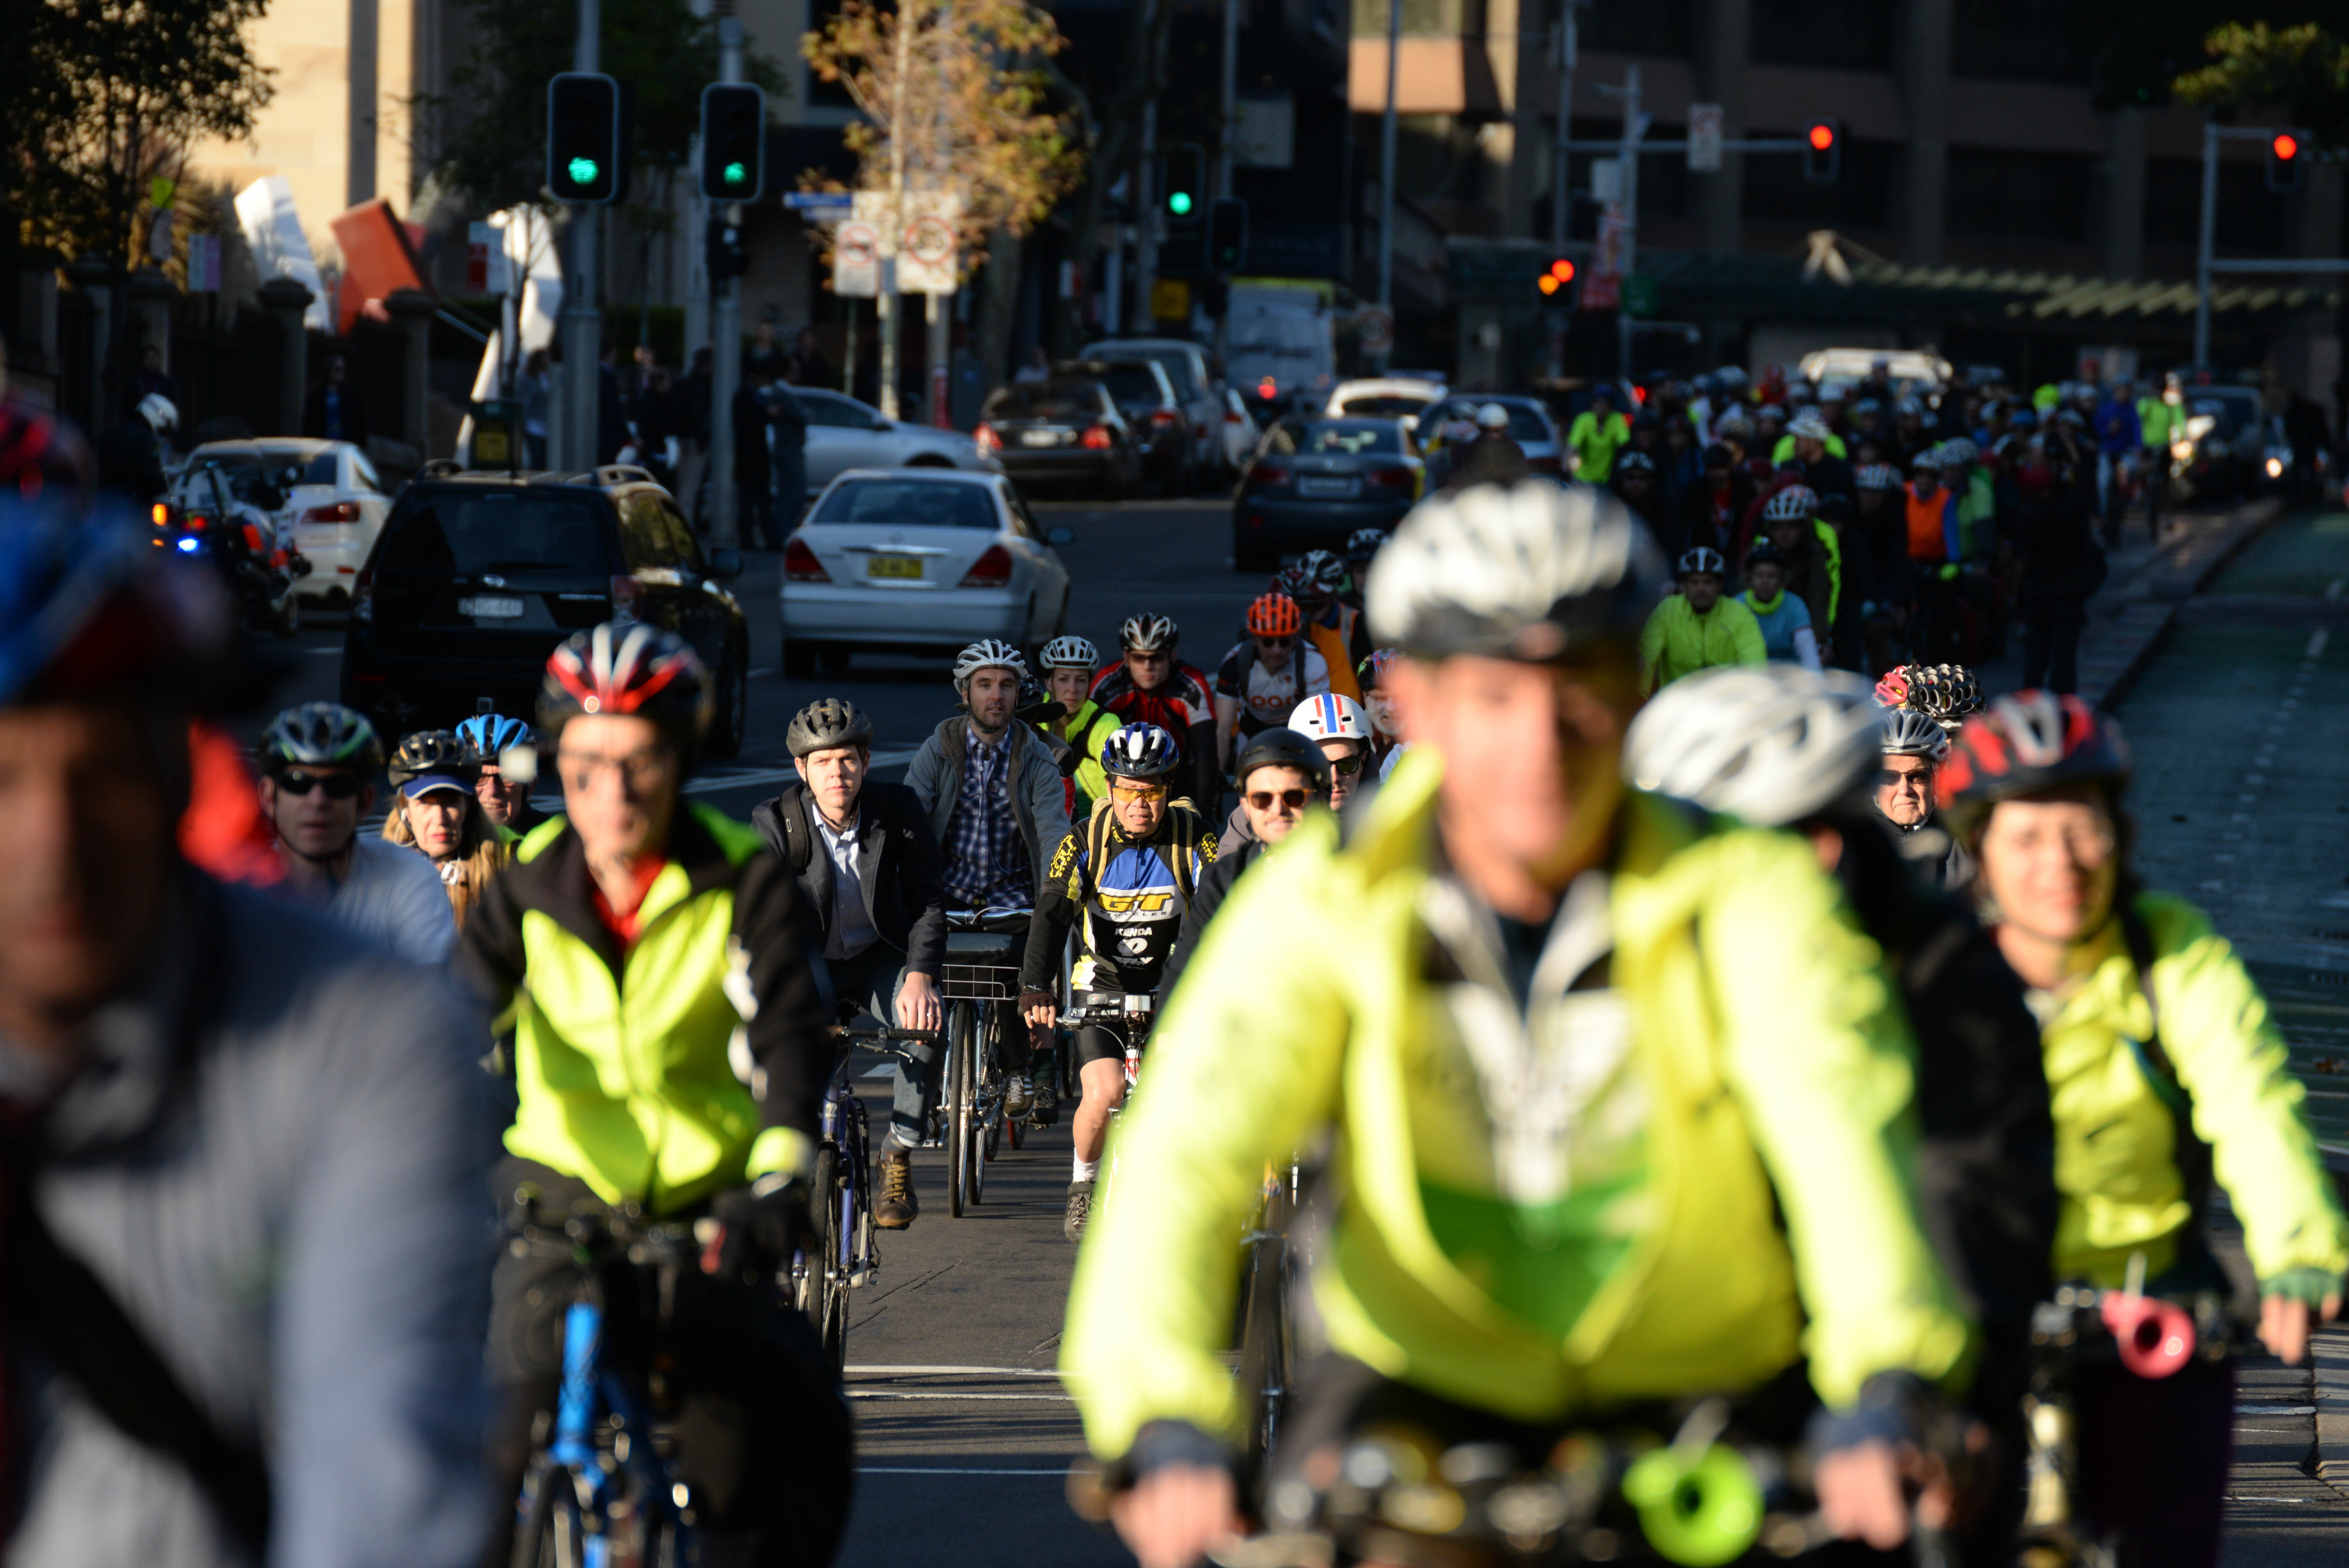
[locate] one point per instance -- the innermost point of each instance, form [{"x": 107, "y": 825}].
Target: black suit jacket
[{"x": 900, "y": 854}]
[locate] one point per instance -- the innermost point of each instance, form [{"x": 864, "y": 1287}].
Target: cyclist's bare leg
[{"x": 1104, "y": 1091}]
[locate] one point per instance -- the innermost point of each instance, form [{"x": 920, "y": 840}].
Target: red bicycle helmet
[
  {"x": 635, "y": 669},
  {"x": 1273, "y": 616},
  {"x": 2021, "y": 745}
]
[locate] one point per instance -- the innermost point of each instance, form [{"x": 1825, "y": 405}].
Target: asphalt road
[{"x": 964, "y": 1435}]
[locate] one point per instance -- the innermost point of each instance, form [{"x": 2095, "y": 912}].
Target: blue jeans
[{"x": 870, "y": 981}]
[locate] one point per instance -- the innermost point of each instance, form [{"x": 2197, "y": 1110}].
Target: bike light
[
  {"x": 2156, "y": 1337},
  {"x": 2275, "y": 468},
  {"x": 1699, "y": 1514},
  {"x": 190, "y": 545}
]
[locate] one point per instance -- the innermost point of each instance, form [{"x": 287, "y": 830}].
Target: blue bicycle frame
[{"x": 589, "y": 1391}]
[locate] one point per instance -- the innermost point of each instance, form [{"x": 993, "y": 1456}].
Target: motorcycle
[{"x": 228, "y": 520}]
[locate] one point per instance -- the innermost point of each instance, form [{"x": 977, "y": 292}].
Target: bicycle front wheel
[
  {"x": 823, "y": 1272},
  {"x": 553, "y": 1534},
  {"x": 961, "y": 1097}
]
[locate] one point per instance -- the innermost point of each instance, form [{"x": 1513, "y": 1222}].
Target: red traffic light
[
  {"x": 2286, "y": 146},
  {"x": 1821, "y": 135}
]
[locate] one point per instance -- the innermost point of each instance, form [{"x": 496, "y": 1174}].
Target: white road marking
[
  {"x": 1005, "y": 1398},
  {"x": 918, "y": 1370},
  {"x": 2275, "y": 1409},
  {"x": 2317, "y": 638}
]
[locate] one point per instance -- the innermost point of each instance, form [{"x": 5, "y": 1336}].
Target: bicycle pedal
[{"x": 861, "y": 1278}]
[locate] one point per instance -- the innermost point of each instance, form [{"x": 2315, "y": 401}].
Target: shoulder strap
[
  {"x": 799, "y": 844},
  {"x": 1097, "y": 828}
]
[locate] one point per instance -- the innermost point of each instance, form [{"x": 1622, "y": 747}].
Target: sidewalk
[{"x": 2132, "y": 614}]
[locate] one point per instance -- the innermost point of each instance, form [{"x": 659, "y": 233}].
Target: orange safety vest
[
  {"x": 1331, "y": 644},
  {"x": 1926, "y": 540}
]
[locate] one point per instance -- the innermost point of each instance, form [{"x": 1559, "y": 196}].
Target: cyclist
[
  {"x": 1598, "y": 433},
  {"x": 1386, "y": 721},
  {"x": 2159, "y": 422},
  {"x": 1069, "y": 663},
  {"x": 1785, "y": 747},
  {"x": 1363, "y": 547},
  {"x": 630, "y": 940},
  {"x": 318, "y": 763},
  {"x": 867, "y": 863},
  {"x": 1492, "y": 459},
  {"x": 1914, "y": 745},
  {"x": 1125, "y": 879},
  {"x": 1342, "y": 731},
  {"x": 505, "y": 799},
  {"x": 1279, "y": 773},
  {"x": 437, "y": 815},
  {"x": 1577, "y": 1174},
  {"x": 1696, "y": 628},
  {"x": 1261, "y": 680},
  {"x": 1149, "y": 685},
  {"x": 1816, "y": 562},
  {"x": 1785, "y": 619},
  {"x": 992, "y": 789},
  {"x": 217, "y": 1337},
  {"x": 1317, "y": 581},
  {"x": 2167, "y": 1071}
]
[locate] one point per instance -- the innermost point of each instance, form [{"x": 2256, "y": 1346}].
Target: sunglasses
[
  {"x": 338, "y": 786},
  {"x": 1274, "y": 641},
  {"x": 1346, "y": 767},
  {"x": 1264, "y": 799},
  {"x": 1892, "y": 778},
  {"x": 1137, "y": 791}
]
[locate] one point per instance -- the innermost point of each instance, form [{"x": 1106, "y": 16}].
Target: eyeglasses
[
  {"x": 1120, "y": 790},
  {"x": 338, "y": 786},
  {"x": 638, "y": 771},
  {"x": 1346, "y": 767},
  {"x": 1892, "y": 778},
  {"x": 1264, "y": 799}
]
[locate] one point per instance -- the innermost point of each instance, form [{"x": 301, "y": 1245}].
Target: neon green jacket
[
  {"x": 2116, "y": 1164},
  {"x": 2158, "y": 423},
  {"x": 1310, "y": 1007},
  {"x": 1086, "y": 730},
  {"x": 1783, "y": 452},
  {"x": 1595, "y": 446},
  {"x": 1677, "y": 642}
]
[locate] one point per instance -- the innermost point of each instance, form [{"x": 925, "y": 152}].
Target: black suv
[{"x": 477, "y": 577}]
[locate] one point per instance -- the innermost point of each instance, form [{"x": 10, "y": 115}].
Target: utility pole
[
  {"x": 725, "y": 340},
  {"x": 1628, "y": 236},
  {"x": 1145, "y": 236},
  {"x": 1560, "y": 198},
  {"x": 885, "y": 303},
  {"x": 1387, "y": 174},
  {"x": 1231, "y": 97},
  {"x": 583, "y": 323},
  {"x": 2206, "y": 243}
]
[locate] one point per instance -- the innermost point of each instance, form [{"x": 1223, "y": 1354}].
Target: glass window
[
  {"x": 497, "y": 533},
  {"x": 680, "y": 533},
  {"x": 2024, "y": 195},
  {"x": 917, "y": 504},
  {"x": 644, "y": 536},
  {"x": 1861, "y": 197},
  {"x": 2019, "y": 40},
  {"x": 1652, "y": 28},
  {"x": 324, "y": 468},
  {"x": 364, "y": 473},
  {"x": 1045, "y": 400},
  {"x": 1850, "y": 35},
  {"x": 837, "y": 412},
  {"x": 1350, "y": 438},
  {"x": 1525, "y": 424},
  {"x": 1021, "y": 518},
  {"x": 2250, "y": 217},
  {"x": 1384, "y": 404},
  {"x": 1133, "y": 382}
]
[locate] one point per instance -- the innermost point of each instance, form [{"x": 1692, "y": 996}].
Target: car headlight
[{"x": 2275, "y": 468}]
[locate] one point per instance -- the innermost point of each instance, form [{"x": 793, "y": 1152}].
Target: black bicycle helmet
[
  {"x": 434, "y": 754},
  {"x": 1283, "y": 748},
  {"x": 827, "y": 724},
  {"x": 1141, "y": 751}
]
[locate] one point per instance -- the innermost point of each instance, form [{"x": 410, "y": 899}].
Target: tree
[
  {"x": 953, "y": 98},
  {"x": 2142, "y": 48},
  {"x": 104, "y": 96},
  {"x": 2302, "y": 70}
]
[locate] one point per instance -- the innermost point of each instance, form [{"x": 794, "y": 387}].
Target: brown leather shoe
[{"x": 898, "y": 1207}]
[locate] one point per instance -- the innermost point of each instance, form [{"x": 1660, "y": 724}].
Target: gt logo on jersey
[{"x": 1153, "y": 903}]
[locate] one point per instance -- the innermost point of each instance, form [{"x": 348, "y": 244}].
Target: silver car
[
  {"x": 919, "y": 562},
  {"x": 845, "y": 434},
  {"x": 1187, "y": 367}
]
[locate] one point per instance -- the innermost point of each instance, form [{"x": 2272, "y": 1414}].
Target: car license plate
[
  {"x": 491, "y": 607},
  {"x": 1043, "y": 437},
  {"x": 1312, "y": 486},
  {"x": 908, "y": 566}
]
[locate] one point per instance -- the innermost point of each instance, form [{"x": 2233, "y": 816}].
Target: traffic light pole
[
  {"x": 1387, "y": 175},
  {"x": 725, "y": 342},
  {"x": 1143, "y": 316},
  {"x": 583, "y": 322}
]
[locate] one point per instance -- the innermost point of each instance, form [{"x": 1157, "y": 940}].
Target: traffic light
[
  {"x": 1822, "y": 150},
  {"x": 733, "y": 142},
  {"x": 1184, "y": 178},
  {"x": 729, "y": 257},
  {"x": 1558, "y": 280},
  {"x": 2286, "y": 158},
  {"x": 1227, "y": 234},
  {"x": 586, "y": 138}
]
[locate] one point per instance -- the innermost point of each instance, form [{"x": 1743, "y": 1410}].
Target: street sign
[
  {"x": 926, "y": 256},
  {"x": 1170, "y": 299},
  {"x": 856, "y": 261},
  {"x": 821, "y": 206},
  {"x": 1704, "y": 137},
  {"x": 1602, "y": 290},
  {"x": 1639, "y": 295},
  {"x": 1376, "y": 326}
]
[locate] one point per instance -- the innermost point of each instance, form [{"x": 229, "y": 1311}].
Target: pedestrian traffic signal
[
  {"x": 728, "y": 256},
  {"x": 1822, "y": 150},
  {"x": 733, "y": 142},
  {"x": 1227, "y": 234},
  {"x": 2286, "y": 158},
  {"x": 1557, "y": 279},
  {"x": 586, "y": 138}
]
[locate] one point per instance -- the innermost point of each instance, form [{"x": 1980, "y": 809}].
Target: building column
[
  {"x": 285, "y": 301},
  {"x": 1925, "y": 85},
  {"x": 1531, "y": 74},
  {"x": 89, "y": 346},
  {"x": 2308, "y": 355},
  {"x": 413, "y": 313},
  {"x": 2123, "y": 177},
  {"x": 151, "y": 294},
  {"x": 1720, "y": 71}
]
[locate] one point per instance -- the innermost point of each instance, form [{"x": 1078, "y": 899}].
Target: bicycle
[
  {"x": 979, "y": 982},
  {"x": 603, "y": 1489}
]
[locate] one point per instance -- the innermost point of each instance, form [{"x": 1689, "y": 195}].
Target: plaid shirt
[{"x": 985, "y": 868}]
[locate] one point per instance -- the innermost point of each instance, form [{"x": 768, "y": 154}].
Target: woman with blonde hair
[{"x": 435, "y": 812}]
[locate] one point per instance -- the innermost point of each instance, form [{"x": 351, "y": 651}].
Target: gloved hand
[{"x": 763, "y": 1223}]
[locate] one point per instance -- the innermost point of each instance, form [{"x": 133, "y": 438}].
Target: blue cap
[{"x": 425, "y": 783}]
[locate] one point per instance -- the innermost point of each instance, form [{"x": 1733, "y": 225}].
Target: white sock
[{"x": 1087, "y": 1171}]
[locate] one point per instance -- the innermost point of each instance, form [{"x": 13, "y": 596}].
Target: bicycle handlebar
[{"x": 883, "y": 1033}]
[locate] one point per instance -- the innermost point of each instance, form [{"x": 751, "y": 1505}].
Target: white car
[
  {"x": 845, "y": 434},
  {"x": 1403, "y": 397},
  {"x": 333, "y": 505},
  {"x": 924, "y": 561},
  {"x": 1240, "y": 432}
]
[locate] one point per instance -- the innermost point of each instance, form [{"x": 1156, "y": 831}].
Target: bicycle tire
[
  {"x": 826, "y": 1279},
  {"x": 553, "y": 1536},
  {"x": 958, "y": 1140},
  {"x": 1264, "y": 1347},
  {"x": 985, "y": 1099}
]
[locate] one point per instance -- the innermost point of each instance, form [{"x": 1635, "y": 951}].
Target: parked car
[
  {"x": 1310, "y": 484},
  {"x": 1240, "y": 431},
  {"x": 1383, "y": 397},
  {"x": 331, "y": 509},
  {"x": 1062, "y": 433},
  {"x": 1530, "y": 426},
  {"x": 1145, "y": 396},
  {"x": 918, "y": 562},
  {"x": 845, "y": 434},
  {"x": 1194, "y": 381},
  {"x": 478, "y": 577}
]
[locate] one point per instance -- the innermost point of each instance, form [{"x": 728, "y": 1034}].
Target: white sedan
[
  {"x": 333, "y": 503},
  {"x": 918, "y": 561},
  {"x": 845, "y": 434}
]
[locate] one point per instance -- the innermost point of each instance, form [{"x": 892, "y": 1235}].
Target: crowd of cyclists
[{"x": 1681, "y": 1033}]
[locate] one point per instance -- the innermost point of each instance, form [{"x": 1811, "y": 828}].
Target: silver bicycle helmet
[
  {"x": 987, "y": 654},
  {"x": 320, "y": 734},
  {"x": 827, "y": 724},
  {"x": 1796, "y": 503},
  {"x": 1070, "y": 653},
  {"x": 1769, "y": 743},
  {"x": 1702, "y": 558},
  {"x": 1908, "y": 733},
  {"x": 1148, "y": 634},
  {"x": 1141, "y": 751}
]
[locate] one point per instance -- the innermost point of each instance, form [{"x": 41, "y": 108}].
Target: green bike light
[{"x": 1699, "y": 1515}]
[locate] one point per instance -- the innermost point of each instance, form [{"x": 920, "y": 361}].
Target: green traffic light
[
  {"x": 1178, "y": 202},
  {"x": 583, "y": 171},
  {"x": 736, "y": 173}
]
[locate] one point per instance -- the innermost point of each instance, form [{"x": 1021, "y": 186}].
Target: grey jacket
[
  {"x": 1039, "y": 809},
  {"x": 278, "y": 1163}
]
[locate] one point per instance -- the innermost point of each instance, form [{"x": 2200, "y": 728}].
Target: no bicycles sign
[{"x": 925, "y": 263}]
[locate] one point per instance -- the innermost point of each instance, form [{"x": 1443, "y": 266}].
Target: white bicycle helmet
[
  {"x": 1070, "y": 653},
  {"x": 1331, "y": 716},
  {"x": 1796, "y": 503},
  {"x": 1769, "y": 743},
  {"x": 1809, "y": 426},
  {"x": 1147, "y": 633},
  {"x": 1525, "y": 571},
  {"x": 1492, "y": 417},
  {"x": 1908, "y": 733},
  {"x": 1704, "y": 558},
  {"x": 987, "y": 654},
  {"x": 1958, "y": 452}
]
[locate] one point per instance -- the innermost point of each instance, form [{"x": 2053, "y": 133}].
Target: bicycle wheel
[
  {"x": 1264, "y": 1346},
  {"x": 959, "y": 1141},
  {"x": 553, "y": 1534}
]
